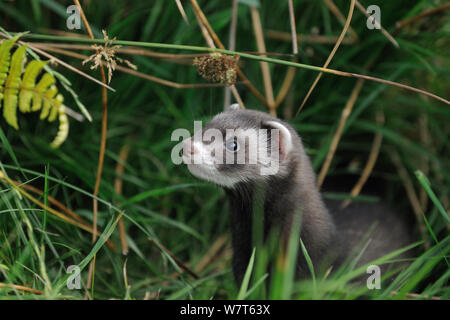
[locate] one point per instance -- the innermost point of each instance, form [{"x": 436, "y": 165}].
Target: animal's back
[{"x": 359, "y": 223}]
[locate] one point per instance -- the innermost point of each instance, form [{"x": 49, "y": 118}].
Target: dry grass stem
[
  {"x": 140, "y": 74},
  {"x": 118, "y": 184},
  {"x": 293, "y": 28},
  {"x": 212, "y": 253},
  {"x": 257, "y": 29},
  {"x": 373, "y": 156},
  {"x": 400, "y": 85},
  {"x": 231, "y": 46},
  {"x": 338, "y": 134},
  {"x": 180, "y": 263},
  {"x": 51, "y": 200},
  {"x": 198, "y": 12},
  {"x": 101, "y": 156},
  {"x": 330, "y": 57},
  {"x": 378, "y": 25},
  {"x": 124, "y": 50},
  {"x": 58, "y": 214},
  {"x": 205, "y": 33},
  {"x": 306, "y": 38},
  {"x": 20, "y": 288},
  {"x": 411, "y": 194},
  {"x": 132, "y": 50},
  {"x": 237, "y": 97},
  {"x": 285, "y": 86},
  {"x": 211, "y": 37},
  {"x": 182, "y": 12},
  {"x": 61, "y": 207},
  {"x": 422, "y": 15},
  {"x": 338, "y": 14}
]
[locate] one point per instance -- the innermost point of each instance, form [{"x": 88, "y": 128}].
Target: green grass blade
[
  {"x": 426, "y": 185},
  {"x": 244, "y": 285}
]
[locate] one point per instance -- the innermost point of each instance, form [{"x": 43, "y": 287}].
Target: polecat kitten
[{"x": 282, "y": 166}]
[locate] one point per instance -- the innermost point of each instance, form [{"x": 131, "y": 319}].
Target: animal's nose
[{"x": 188, "y": 147}]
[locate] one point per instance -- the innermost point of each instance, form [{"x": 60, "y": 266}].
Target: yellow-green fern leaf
[
  {"x": 12, "y": 85},
  {"x": 48, "y": 100},
  {"x": 28, "y": 84},
  {"x": 46, "y": 81},
  {"x": 5, "y": 57},
  {"x": 18, "y": 88},
  {"x": 55, "y": 107},
  {"x": 63, "y": 129}
]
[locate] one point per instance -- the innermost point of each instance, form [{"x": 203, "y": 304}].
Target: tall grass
[{"x": 186, "y": 219}]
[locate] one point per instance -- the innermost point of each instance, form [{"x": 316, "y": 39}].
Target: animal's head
[{"x": 239, "y": 146}]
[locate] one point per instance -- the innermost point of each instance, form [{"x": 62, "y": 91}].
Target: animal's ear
[
  {"x": 284, "y": 137},
  {"x": 234, "y": 106}
]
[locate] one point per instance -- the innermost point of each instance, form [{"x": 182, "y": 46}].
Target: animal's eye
[{"x": 232, "y": 145}]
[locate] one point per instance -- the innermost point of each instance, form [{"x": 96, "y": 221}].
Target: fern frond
[
  {"x": 5, "y": 57},
  {"x": 46, "y": 81},
  {"x": 28, "y": 84},
  {"x": 12, "y": 85},
  {"x": 63, "y": 130},
  {"x": 18, "y": 88}
]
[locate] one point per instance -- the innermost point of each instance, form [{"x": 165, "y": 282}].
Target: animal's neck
[
  {"x": 285, "y": 196},
  {"x": 241, "y": 206}
]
